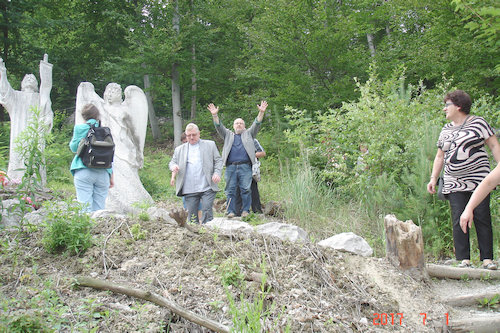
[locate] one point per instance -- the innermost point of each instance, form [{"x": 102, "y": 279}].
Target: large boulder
[
  {"x": 348, "y": 242},
  {"x": 229, "y": 226},
  {"x": 283, "y": 231}
]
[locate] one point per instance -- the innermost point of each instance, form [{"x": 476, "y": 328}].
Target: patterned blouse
[{"x": 466, "y": 161}]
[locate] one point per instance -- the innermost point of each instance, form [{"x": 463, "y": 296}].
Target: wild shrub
[
  {"x": 67, "y": 228},
  {"x": 399, "y": 125}
]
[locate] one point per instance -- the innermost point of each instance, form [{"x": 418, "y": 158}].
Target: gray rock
[
  {"x": 35, "y": 217},
  {"x": 283, "y": 231},
  {"x": 11, "y": 213},
  {"x": 229, "y": 226},
  {"x": 348, "y": 242}
]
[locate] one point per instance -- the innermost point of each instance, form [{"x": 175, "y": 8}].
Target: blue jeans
[
  {"x": 238, "y": 176},
  {"x": 194, "y": 200},
  {"x": 92, "y": 186}
]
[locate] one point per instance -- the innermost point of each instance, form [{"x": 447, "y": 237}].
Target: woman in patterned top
[{"x": 461, "y": 151}]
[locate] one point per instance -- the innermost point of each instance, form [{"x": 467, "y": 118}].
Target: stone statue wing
[
  {"x": 84, "y": 95},
  {"x": 137, "y": 108}
]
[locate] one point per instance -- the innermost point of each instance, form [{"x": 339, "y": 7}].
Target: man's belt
[{"x": 240, "y": 162}]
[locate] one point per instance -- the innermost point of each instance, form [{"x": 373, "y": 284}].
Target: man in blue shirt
[{"x": 238, "y": 154}]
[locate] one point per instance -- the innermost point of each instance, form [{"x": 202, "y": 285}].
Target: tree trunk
[
  {"x": 458, "y": 273},
  {"x": 176, "y": 91},
  {"x": 371, "y": 45},
  {"x": 404, "y": 244},
  {"x": 193, "y": 72},
  {"x": 193, "y": 82},
  {"x": 155, "y": 298},
  {"x": 464, "y": 300},
  {"x": 153, "y": 121},
  {"x": 488, "y": 324}
]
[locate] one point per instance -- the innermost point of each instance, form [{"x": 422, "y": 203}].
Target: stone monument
[
  {"x": 128, "y": 120},
  {"x": 19, "y": 105}
]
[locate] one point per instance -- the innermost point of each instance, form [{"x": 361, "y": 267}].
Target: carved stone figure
[
  {"x": 128, "y": 121},
  {"x": 19, "y": 105}
]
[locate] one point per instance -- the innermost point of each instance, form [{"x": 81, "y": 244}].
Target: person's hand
[
  {"x": 431, "y": 187},
  {"x": 213, "y": 109},
  {"x": 111, "y": 181},
  {"x": 175, "y": 170},
  {"x": 216, "y": 178},
  {"x": 262, "y": 107},
  {"x": 466, "y": 220}
]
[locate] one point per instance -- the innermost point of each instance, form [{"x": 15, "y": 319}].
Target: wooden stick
[
  {"x": 487, "y": 324},
  {"x": 469, "y": 299},
  {"x": 155, "y": 298},
  {"x": 458, "y": 273}
]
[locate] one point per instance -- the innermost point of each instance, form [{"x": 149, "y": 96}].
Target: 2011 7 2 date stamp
[{"x": 393, "y": 319}]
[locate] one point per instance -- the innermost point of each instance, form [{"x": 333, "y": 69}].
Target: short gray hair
[{"x": 192, "y": 126}]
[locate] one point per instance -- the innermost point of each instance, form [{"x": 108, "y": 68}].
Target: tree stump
[{"x": 404, "y": 245}]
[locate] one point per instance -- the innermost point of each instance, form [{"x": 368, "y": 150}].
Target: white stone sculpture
[
  {"x": 128, "y": 122},
  {"x": 19, "y": 105}
]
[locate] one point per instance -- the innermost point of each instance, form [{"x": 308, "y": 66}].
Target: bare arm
[
  {"x": 262, "y": 109},
  {"x": 436, "y": 169},
  {"x": 214, "y": 111},
  {"x": 485, "y": 187},
  {"x": 492, "y": 143}
]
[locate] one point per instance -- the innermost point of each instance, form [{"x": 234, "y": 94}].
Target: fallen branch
[
  {"x": 469, "y": 299},
  {"x": 458, "y": 273},
  {"x": 152, "y": 297},
  {"x": 487, "y": 324}
]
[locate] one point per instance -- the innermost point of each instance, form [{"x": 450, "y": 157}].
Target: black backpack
[{"x": 97, "y": 148}]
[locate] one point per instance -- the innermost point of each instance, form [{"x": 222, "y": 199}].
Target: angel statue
[
  {"x": 20, "y": 104},
  {"x": 128, "y": 122}
]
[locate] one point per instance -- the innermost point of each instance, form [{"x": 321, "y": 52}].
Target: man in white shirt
[{"x": 198, "y": 165}]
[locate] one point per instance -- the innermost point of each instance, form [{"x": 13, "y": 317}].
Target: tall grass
[{"x": 319, "y": 210}]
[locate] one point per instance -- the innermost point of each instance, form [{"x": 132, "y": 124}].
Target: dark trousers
[
  {"x": 193, "y": 201},
  {"x": 256, "y": 205},
  {"x": 482, "y": 222}
]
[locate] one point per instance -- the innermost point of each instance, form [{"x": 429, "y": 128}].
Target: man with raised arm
[{"x": 238, "y": 154}]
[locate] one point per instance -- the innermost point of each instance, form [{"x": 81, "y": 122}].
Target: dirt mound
[{"x": 311, "y": 289}]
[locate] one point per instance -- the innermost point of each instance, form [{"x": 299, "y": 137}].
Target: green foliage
[
  {"x": 67, "y": 228},
  {"x": 57, "y": 153},
  {"x": 155, "y": 175},
  {"x": 137, "y": 232},
  {"x": 30, "y": 146},
  {"x": 26, "y": 322},
  {"x": 4, "y": 145},
  {"x": 231, "y": 274},
  {"x": 490, "y": 303},
  {"x": 249, "y": 316}
]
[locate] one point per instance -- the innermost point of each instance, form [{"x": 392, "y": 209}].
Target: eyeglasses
[{"x": 448, "y": 104}]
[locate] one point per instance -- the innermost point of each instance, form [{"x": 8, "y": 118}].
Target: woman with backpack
[{"x": 91, "y": 184}]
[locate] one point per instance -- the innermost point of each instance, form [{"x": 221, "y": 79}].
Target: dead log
[
  {"x": 154, "y": 298},
  {"x": 404, "y": 244},
  {"x": 464, "y": 300},
  {"x": 487, "y": 324},
  {"x": 458, "y": 273}
]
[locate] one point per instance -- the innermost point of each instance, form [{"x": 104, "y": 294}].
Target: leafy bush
[
  {"x": 67, "y": 228},
  {"x": 231, "y": 274}
]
